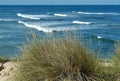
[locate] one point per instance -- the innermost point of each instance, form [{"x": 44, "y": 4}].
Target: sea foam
[
  {"x": 99, "y": 37},
  {"x": 62, "y": 15},
  {"x": 35, "y": 17},
  {"x": 47, "y": 29},
  {"x": 81, "y": 22},
  {"x": 35, "y": 26},
  {"x": 97, "y": 13}
]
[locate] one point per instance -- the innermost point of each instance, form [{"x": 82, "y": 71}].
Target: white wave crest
[
  {"x": 35, "y": 17},
  {"x": 47, "y": 29},
  {"x": 99, "y": 37},
  {"x": 35, "y": 26},
  {"x": 28, "y": 16},
  {"x": 81, "y": 22},
  {"x": 8, "y": 20},
  {"x": 97, "y": 13},
  {"x": 62, "y": 15}
]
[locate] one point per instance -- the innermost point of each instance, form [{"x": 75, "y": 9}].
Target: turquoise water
[{"x": 99, "y": 24}]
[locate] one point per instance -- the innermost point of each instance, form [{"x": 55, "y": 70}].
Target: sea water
[{"x": 98, "y": 24}]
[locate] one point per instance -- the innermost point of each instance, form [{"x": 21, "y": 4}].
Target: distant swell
[
  {"x": 28, "y": 16},
  {"x": 98, "y": 13},
  {"x": 62, "y": 15},
  {"x": 1, "y": 37},
  {"x": 81, "y": 22},
  {"x": 4, "y": 36},
  {"x": 5, "y": 20},
  {"x": 104, "y": 39}
]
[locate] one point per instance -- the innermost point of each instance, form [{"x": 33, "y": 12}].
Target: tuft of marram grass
[
  {"x": 116, "y": 62},
  {"x": 3, "y": 60},
  {"x": 116, "y": 58},
  {"x": 57, "y": 60}
]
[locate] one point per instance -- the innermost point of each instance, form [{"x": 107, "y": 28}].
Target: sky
[{"x": 59, "y": 2}]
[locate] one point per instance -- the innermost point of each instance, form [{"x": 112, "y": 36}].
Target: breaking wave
[
  {"x": 98, "y": 13},
  {"x": 46, "y": 29},
  {"x": 81, "y": 22},
  {"x": 35, "y": 17},
  {"x": 62, "y": 15},
  {"x": 35, "y": 26},
  {"x": 99, "y": 37}
]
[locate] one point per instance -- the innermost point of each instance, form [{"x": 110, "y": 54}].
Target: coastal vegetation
[
  {"x": 64, "y": 60},
  {"x": 67, "y": 59}
]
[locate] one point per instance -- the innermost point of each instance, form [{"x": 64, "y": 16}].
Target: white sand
[
  {"x": 8, "y": 73},
  {"x": 10, "y": 68}
]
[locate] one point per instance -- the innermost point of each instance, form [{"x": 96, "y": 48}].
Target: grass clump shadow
[
  {"x": 2, "y": 61},
  {"x": 58, "y": 60}
]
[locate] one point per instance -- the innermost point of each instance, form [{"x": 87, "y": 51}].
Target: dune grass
[
  {"x": 58, "y": 60},
  {"x": 64, "y": 60},
  {"x": 116, "y": 58},
  {"x": 116, "y": 62},
  {"x": 112, "y": 72},
  {"x": 3, "y": 60}
]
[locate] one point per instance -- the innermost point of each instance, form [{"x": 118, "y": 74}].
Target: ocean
[{"x": 99, "y": 24}]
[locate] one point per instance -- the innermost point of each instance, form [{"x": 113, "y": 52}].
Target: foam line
[
  {"x": 47, "y": 30},
  {"x": 97, "y": 13},
  {"x": 81, "y": 22},
  {"x": 35, "y": 26},
  {"x": 28, "y": 16},
  {"x": 62, "y": 15}
]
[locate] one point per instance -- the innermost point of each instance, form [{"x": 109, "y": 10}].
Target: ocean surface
[{"x": 100, "y": 25}]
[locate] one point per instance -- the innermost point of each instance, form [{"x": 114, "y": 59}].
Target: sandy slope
[{"x": 8, "y": 71}]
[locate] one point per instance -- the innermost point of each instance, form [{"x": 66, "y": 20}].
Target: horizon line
[{"x": 57, "y": 4}]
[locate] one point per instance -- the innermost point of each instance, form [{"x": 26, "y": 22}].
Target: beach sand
[{"x": 9, "y": 71}]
